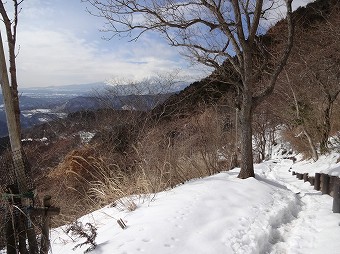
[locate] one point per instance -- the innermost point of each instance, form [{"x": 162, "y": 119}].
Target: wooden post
[
  {"x": 21, "y": 219},
  {"x": 45, "y": 239},
  {"x": 121, "y": 223},
  {"x": 10, "y": 234},
  {"x": 317, "y": 181},
  {"x": 32, "y": 239},
  {"x": 336, "y": 196},
  {"x": 305, "y": 177},
  {"x": 325, "y": 183},
  {"x": 332, "y": 180},
  {"x": 10, "y": 221},
  {"x": 46, "y": 212}
]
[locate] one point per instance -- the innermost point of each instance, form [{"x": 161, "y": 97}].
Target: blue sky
[{"x": 59, "y": 43}]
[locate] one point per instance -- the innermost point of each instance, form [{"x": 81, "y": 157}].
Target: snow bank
[
  {"x": 274, "y": 213},
  {"x": 218, "y": 214},
  {"x": 326, "y": 164}
]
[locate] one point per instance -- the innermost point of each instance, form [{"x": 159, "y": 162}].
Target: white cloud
[
  {"x": 56, "y": 57},
  {"x": 60, "y": 44}
]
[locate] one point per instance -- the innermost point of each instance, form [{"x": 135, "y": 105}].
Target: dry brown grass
[
  {"x": 181, "y": 150},
  {"x": 165, "y": 155}
]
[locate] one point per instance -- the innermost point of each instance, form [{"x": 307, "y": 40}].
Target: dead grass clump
[
  {"x": 66, "y": 186},
  {"x": 184, "y": 149},
  {"x": 85, "y": 181}
]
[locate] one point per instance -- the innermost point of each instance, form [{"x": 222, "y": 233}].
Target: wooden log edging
[
  {"x": 305, "y": 177},
  {"x": 317, "y": 181},
  {"x": 327, "y": 184},
  {"x": 332, "y": 182},
  {"x": 336, "y": 197}
]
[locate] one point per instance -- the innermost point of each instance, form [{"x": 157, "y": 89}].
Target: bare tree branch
[{"x": 284, "y": 57}]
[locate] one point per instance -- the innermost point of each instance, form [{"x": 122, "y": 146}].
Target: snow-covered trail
[
  {"x": 315, "y": 229},
  {"x": 221, "y": 214}
]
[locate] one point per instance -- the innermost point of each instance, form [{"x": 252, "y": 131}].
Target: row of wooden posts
[
  {"x": 16, "y": 236},
  {"x": 326, "y": 184}
]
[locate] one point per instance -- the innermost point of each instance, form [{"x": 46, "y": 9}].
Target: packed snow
[{"x": 272, "y": 213}]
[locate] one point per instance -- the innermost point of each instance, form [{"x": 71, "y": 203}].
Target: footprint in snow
[{"x": 174, "y": 239}]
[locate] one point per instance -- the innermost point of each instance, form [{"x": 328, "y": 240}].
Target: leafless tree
[
  {"x": 11, "y": 32},
  {"x": 265, "y": 125},
  {"x": 217, "y": 33},
  {"x": 312, "y": 77},
  {"x": 302, "y": 115},
  {"x": 141, "y": 95},
  {"x": 322, "y": 70}
]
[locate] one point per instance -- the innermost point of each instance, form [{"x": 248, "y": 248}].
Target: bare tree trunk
[
  {"x": 14, "y": 135},
  {"x": 234, "y": 156},
  {"x": 326, "y": 128},
  {"x": 11, "y": 30},
  {"x": 247, "y": 163},
  {"x": 14, "y": 84},
  {"x": 298, "y": 115},
  {"x": 311, "y": 144}
]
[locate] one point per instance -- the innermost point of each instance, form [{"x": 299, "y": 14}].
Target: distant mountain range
[
  {"x": 101, "y": 87},
  {"x": 65, "y": 91},
  {"x": 42, "y": 104}
]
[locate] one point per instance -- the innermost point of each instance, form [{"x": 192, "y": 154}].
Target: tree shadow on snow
[
  {"x": 98, "y": 248},
  {"x": 270, "y": 182}
]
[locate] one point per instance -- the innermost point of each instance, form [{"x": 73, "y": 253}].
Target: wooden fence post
[
  {"x": 317, "y": 181},
  {"x": 305, "y": 177},
  {"x": 10, "y": 234},
  {"x": 336, "y": 196},
  {"x": 45, "y": 212},
  {"x": 45, "y": 239},
  {"x": 332, "y": 180},
  {"x": 325, "y": 183}
]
